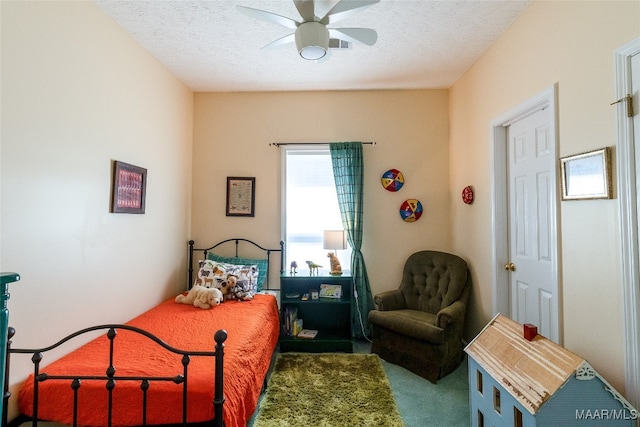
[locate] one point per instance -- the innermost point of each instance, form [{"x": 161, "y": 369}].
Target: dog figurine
[
  {"x": 201, "y": 297},
  {"x": 313, "y": 267},
  {"x": 336, "y": 268},
  {"x": 294, "y": 268}
]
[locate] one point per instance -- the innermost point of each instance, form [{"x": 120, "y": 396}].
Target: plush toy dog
[{"x": 201, "y": 297}]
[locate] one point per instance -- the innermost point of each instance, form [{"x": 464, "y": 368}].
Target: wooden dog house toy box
[{"x": 514, "y": 381}]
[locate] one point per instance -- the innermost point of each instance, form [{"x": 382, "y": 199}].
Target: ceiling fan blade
[
  {"x": 268, "y": 16},
  {"x": 361, "y": 35},
  {"x": 306, "y": 9},
  {"x": 345, "y": 8},
  {"x": 289, "y": 38}
]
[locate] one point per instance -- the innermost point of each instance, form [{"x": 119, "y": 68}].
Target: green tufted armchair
[{"x": 419, "y": 325}]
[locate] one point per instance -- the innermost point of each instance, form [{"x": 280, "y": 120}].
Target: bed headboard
[{"x": 237, "y": 242}]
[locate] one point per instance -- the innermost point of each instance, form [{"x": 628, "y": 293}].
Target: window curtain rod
[{"x": 278, "y": 144}]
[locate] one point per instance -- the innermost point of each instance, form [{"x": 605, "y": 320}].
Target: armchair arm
[
  {"x": 455, "y": 312},
  {"x": 390, "y": 300},
  {"x": 451, "y": 314}
]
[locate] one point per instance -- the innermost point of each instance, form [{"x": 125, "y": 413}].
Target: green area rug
[{"x": 328, "y": 390}]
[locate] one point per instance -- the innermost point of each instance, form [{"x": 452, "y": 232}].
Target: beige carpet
[{"x": 328, "y": 390}]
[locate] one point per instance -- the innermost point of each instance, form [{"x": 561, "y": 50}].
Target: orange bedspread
[{"x": 253, "y": 329}]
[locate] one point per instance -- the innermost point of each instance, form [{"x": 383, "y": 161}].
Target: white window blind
[{"x": 310, "y": 205}]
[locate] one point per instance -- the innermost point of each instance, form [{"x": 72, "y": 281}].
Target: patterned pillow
[
  {"x": 235, "y": 281},
  {"x": 263, "y": 265},
  {"x": 206, "y": 274}
]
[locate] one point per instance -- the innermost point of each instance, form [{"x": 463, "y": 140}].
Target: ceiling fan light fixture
[{"x": 312, "y": 40}]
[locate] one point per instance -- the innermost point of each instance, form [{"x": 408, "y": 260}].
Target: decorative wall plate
[
  {"x": 392, "y": 180},
  {"x": 467, "y": 194},
  {"x": 411, "y": 210}
]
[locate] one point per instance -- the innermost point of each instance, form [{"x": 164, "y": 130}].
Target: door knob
[{"x": 510, "y": 266}]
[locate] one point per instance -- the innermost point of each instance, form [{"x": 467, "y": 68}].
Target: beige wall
[
  {"x": 569, "y": 43},
  {"x": 78, "y": 92},
  {"x": 232, "y": 133}
]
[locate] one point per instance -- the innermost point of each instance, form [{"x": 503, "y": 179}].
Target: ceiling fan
[{"x": 311, "y": 35}]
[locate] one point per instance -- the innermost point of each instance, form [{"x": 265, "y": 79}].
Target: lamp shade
[
  {"x": 334, "y": 239},
  {"x": 312, "y": 40}
]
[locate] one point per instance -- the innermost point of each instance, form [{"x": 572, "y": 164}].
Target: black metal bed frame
[
  {"x": 110, "y": 378},
  {"x": 237, "y": 241}
]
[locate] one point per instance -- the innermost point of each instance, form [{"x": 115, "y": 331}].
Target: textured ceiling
[{"x": 212, "y": 47}]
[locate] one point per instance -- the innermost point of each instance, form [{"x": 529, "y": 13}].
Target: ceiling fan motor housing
[{"x": 312, "y": 40}]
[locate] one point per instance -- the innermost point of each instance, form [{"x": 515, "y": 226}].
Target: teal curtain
[{"x": 348, "y": 172}]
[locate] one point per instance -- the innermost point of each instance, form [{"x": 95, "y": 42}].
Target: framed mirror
[{"x": 587, "y": 175}]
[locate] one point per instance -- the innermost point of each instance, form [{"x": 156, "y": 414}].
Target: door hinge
[{"x": 629, "y": 101}]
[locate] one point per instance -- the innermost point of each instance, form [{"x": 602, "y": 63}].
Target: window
[
  {"x": 517, "y": 417},
  {"x": 479, "y": 381},
  {"x": 310, "y": 205},
  {"x": 480, "y": 419},
  {"x": 496, "y": 399}
]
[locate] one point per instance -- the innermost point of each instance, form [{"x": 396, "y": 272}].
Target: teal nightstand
[{"x": 331, "y": 317}]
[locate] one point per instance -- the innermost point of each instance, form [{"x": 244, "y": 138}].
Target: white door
[
  {"x": 633, "y": 311},
  {"x": 531, "y": 170},
  {"x": 632, "y": 111},
  {"x": 628, "y": 161}
]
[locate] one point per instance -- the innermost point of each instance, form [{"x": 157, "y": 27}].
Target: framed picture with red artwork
[{"x": 129, "y": 188}]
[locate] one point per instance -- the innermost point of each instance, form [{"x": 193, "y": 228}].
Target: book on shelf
[
  {"x": 297, "y": 326},
  {"x": 330, "y": 291},
  {"x": 307, "y": 333},
  {"x": 289, "y": 319}
]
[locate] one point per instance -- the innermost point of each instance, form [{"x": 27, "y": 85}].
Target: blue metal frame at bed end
[
  {"x": 5, "y": 279},
  {"x": 205, "y": 251}
]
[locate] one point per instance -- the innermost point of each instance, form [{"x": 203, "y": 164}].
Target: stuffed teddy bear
[
  {"x": 225, "y": 284},
  {"x": 241, "y": 290},
  {"x": 228, "y": 286},
  {"x": 201, "y": 297}
]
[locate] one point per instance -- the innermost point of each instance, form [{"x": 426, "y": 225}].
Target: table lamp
[{"x": 334, "y": 239}]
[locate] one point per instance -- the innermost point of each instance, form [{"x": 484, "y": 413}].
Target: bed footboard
[{"x": 111, "y": 377}]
